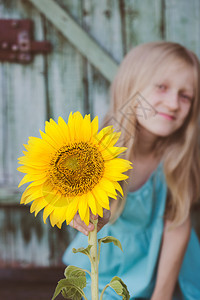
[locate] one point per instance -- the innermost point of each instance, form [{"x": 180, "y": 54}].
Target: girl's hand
[{"x": 78, "y": 224}]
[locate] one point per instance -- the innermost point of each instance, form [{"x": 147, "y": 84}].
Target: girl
[{"x": 155, "y": 100}]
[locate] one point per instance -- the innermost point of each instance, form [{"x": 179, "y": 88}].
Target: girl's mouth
[{"x": 166, "y": 116}]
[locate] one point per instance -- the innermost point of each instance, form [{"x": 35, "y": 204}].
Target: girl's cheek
[
  {"x": 154, "y": 99},
  {"x": 186, "y": 106},
  {"x": 185, "y": 112}
]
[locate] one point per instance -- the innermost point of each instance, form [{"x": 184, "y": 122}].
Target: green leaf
[
  {"x": 85, "y": 251},
  {"x": 72, "y": 271},
  {"x": 70, "y": 289},
  {"x": 72, "y": 286},
  {"x": 119, "y": 287},
  {"x": 110, "y": 239},
  {"x": 60, "y": 286}
]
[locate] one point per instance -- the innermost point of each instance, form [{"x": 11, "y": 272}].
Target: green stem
[
  {"x": 99, "y": 249},
  {"x": 92, "y": 240},
  {"x": 101, "y": 297},
  {"x": 84, "y": 296},
  {"x": 87, "y": 272},
  {"x": 82, "y": 293}
]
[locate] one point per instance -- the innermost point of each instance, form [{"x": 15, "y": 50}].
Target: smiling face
[{"x": 171, "y": 94}]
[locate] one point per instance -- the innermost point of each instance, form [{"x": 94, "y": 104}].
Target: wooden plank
[
  {"x": 183, "y": 23},
  {"x": 96, "y": 13},
  {"x": 78, "y": 37},
  {"x": 26, "y": 241},
  {"x": 143, "y": 22},
  {"x": 2, "y": 126},
  {"x": 9, "y": 195},
  {"x": 24, "y": 95},
  {"x": 64, "y": 71}
]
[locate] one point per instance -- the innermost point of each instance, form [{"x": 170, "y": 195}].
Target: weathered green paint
[
  {"x": 143, "y": 20},
  {"x": 183, "y": 23},
  {"x": 27, "y": 241},
  {"x": 9, "y": 195},
  {"x": 107, "y": 13},
  {"x": 77, "y": 36},
  {"x": 23, "y": 97}
]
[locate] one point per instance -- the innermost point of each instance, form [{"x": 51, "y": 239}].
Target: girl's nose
[{"x": 172, "y": 101}]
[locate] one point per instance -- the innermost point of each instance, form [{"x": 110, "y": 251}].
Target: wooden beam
[
  {"x": 78, "y": 37},
  {"x": 9, "y": 195}
]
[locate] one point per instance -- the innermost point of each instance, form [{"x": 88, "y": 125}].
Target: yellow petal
[
  {"x": 92, "y": 203},
  {"x": 109, "y": 140},
  {"x": 38, "y": 145},
  {"x": 37, "y": 182},
  {"x": 112, "y": 152},
  {"x": 31, "y": 190},
  {"x": 33, "y": 164},
  {"x": 38, "y": 205},
  {"x": 114, "y": 176},
  {"x": 104, "y": 132},
  {"x": 59, "y": 225},
  {"x": 24, "y": 195},
  {"x": 101, "y": 196},
  {"x": 58, "y": 131},
  {"x": 113, "y": 196},
  {"x": 31, "y": 171},
  {"x": 87, "y": 216},
  {"x": 36, "y": 194},
  {"x": 78, "y": 127},
  {"x": 118, "y": 187},
  {"x": 27, "y": 200},
  {"x": 82, "y": 207},
  {"x": 65, "y": 130},
  {"x": 47, "y": 211},
  {"x": 52, "y": 198},
  {"x": 49, "y": 140},
  {"x": 53, "y": 131},
  {"x": 41, "y": 203},
  {"x": 94, "y": 126},
  {"x": 72, "y": 209},
  {"x": 118, "y": 164},
  {"x": 58, "y": 215},
  {"x": 63, "y": 201},
  {"x": 71, "y": 126},
  {"x": 99, "y": 210},
  {"x": 28, "y": 178},
  {"x": 107, "y": 185},
  {"x": 86, "y": 128}
]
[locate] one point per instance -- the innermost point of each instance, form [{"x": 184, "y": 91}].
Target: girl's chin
[
  {"x": 161, "y": 132},
  {"x": 158, "y": 129}
]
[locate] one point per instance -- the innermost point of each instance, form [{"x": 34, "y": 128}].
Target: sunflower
[{"x": 72, "y": 168}]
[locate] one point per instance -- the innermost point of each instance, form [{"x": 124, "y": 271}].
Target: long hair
[{"x": 181, "y": 155}]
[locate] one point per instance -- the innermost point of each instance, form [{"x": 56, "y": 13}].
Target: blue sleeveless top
[{"x": 139, "y": 229}]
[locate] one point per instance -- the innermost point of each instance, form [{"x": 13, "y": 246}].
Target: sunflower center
[
  {"x": 76, "y": 169},
  {"x": 71, "y": 163}
]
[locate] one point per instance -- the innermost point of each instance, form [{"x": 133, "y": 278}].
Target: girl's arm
[{"x": 173, "y": 248}]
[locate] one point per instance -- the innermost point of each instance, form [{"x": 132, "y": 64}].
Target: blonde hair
[{"x": 180, "y": 150}]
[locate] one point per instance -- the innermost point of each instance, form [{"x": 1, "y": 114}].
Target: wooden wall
[{"x": 65, "y": 81}]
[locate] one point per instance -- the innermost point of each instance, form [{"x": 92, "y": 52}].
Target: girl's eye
[
  {"x": 185, "y": 97},
  {"x": 161, "y": 87}
]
